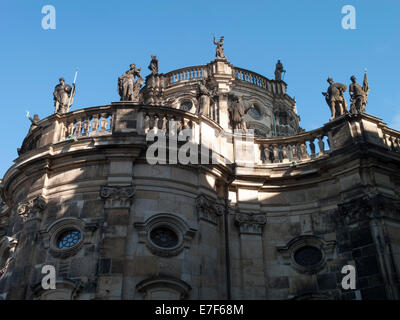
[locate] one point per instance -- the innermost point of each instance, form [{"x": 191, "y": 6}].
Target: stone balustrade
[
  {"x": 186, "y": 74},
  {"x": 86, "y": 122},
  {"x": 391, "y": 139},
  {"x": 303, "y": 147},
  {"x": 162, "y": 118},
  {"x": 140, "y": 119},
  {"x": 277, "y": 87}
]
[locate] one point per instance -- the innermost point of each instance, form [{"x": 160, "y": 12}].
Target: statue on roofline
[
  {"x": 335, "y": 99},
  {"x": 153, "y": 65},
  {"x": 128, "y": 88},
  {"x": 63, "y": 96},
  {"x": 279, "y": 70},
  {"x": 358, "y": 95},
  {"x": 220, "y": 49}
]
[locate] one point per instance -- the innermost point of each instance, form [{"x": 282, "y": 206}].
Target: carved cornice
[
  {"x": 208, "y": 210},
  {"x": 369, "y": 207},
  {"x": 117, "y": 196},
  {"x": 32, "y": 209},
  {"x": 250, "y": 223}
]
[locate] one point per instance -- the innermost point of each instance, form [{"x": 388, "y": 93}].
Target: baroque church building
[{"x": 276, "y": 216}]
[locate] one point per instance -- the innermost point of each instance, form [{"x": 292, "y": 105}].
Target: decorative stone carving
[
  {"x": 34, "y": 121},
  {"x": 31, "y": 209},
  {"x": 250, "y": 223},
  {"x": 335, "y": 99},
  {"x": 63, "y": 96},
  {"x": 153, "y": 65},
  {"x": 117, "y": 196},
  {"x": 220, "y": 49},
  {"x": 208, "y": 210},
  {"x": 279, "y": 70},
  {"x": 237, "y": 112},
  {"x": 7, "y": 252},
  {"x": 358, "y": 95},
  {"x": 128, "y": 88},
  {"x": 205, "y": 96}
]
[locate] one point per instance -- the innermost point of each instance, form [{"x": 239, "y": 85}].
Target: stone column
[
  {"x": 117, "y": 204},
  {"x": 251, "y": 227},
  {"x": 211, "y": 259},
  {"x": 221, "y": 73}
]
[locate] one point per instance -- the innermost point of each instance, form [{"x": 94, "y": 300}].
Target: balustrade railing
[
  {"x": 87, "y": 123},
  {"x": 307, "y": 146},
  {"x": 258, "y": 80},
  {"x": 185, "y": 74},
  {"x": 391, "y": 139},
  {"x": 170, "y": 121}
]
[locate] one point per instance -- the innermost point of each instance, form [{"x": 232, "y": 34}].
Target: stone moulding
[
  {"x": 53, "y": 231},
  {"x": 184, "y": 232},
  {"x": 117, "y": 196},
  {"x": 66, "y": 289},
  {"x": 175, "y": 284},
  {"x": 31, "y": 209},
  {"x": 208, "y": 210},
  {"x": 250, "y": 223},
  {"x": 288, "y": 251}
]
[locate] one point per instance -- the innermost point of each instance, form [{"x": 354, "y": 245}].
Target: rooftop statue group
[
  {"x": 130, "y": 83},
  {"x": 334, "y": 97}
]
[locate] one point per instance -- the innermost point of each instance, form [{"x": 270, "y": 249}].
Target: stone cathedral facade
[{"x": 280, "y": 224}]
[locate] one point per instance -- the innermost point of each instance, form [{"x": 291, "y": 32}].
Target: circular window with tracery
[
  {"x": 164, "y": 237},
  {"x": 69, "y": 239},
  {"x": 308, "y": 256}
]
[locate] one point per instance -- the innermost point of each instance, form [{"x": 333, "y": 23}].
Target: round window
[
  {"x": 69, "y": 239},
  {"x": 186, "y": 105},
  {"x": 164, "y": 237},
  {"x": 255, "y": 112},
  {"x": 308, "y": 256}
]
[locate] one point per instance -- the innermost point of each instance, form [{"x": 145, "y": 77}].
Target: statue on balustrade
[
  {"x": 34, "y": 121},
  {"x": 205, "y": 96},
  {"x": 358, "y": 95},
  {"x": 335, "y": 99},
  {"x": 154, "y": 65},
  {"x": 279, "y": 70},
  {"x": 237, "y": 111},
  {"x": 63, "y": 96},
  {"x": 128, "y": 88},
  {"x": 220, "y": 49}
]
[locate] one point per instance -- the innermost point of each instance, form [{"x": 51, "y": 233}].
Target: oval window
[
  {"x": 164, "y": 237},
  {"x": 308, "y": 256}
]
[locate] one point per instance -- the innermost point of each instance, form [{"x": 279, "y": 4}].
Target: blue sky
[{"x": 102, "y": 38}]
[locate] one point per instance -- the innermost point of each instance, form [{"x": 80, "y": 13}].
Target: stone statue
[
  {"x": 237, "y": 112},
  {"x": 220, "y": 49},
  {"x": 154, "y": 65},
  {"x": 335, "y": 99},
  {"x": 279, "y": 70},
  {"x": 34, "y": 121},
  {"x": 205, "y": 95},
  {"x": 63, "y": 96},
  {"x": 127, "y": 87},
  {"x": 358, "y": 95}
]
